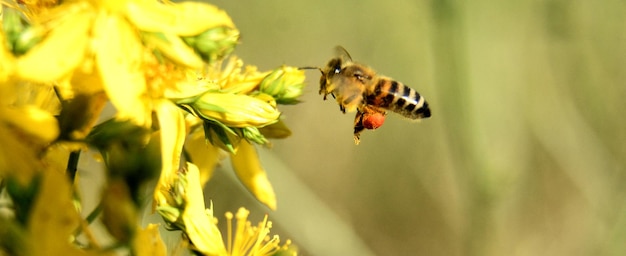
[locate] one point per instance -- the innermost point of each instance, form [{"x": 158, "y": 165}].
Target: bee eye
[{"x": 337, "y": 70}]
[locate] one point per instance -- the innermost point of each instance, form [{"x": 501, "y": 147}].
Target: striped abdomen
[{"x": 399, "y": 98}]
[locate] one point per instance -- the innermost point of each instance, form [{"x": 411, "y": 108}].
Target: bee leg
[
  {"x": 342, "y": 108},
  {"x": 326, "y": 95},
  {"x": 322, "y": 92},
  {"x": 358, "y": 127}
]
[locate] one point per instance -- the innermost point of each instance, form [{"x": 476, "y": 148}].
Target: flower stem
[{"x": 72, "y": 164}]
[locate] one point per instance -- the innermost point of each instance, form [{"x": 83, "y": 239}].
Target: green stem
[{"x": 72, "y": 164}]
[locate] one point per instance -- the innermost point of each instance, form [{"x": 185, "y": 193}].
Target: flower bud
[
  {"x": 214, "y": 43},
  {"x": 254, "y": 135},
  {"x": 21, "y": 37},
  {"x": 285, "y": 84},
  {"x": 235, "y": 110},
  {"x": 27, "y": 39}
]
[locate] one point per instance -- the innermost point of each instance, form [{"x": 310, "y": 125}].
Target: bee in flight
[{"x": 357, "y": 87}]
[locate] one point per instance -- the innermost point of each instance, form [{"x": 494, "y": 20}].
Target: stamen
[{"x": 229, "y": 232}]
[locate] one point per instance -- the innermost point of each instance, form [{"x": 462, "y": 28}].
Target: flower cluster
[
  {"x": 185, "y": 211},
  {"x": 165, "y": 69}
]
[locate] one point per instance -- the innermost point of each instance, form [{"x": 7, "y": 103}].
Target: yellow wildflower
[
  {"x": 110, "y": 39},
  {"x": 239, "y": 108},
  {"x": 185, "y": 210},
  {"x": 243, "y": 98},
  {"x": 138, "y": 54}
]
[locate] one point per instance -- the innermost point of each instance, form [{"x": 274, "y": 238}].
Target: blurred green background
[{"x": 525, "y": 153}]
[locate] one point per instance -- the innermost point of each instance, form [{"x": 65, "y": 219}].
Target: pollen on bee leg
[
  {"x": 373, "y": 121},
  {"x": 373, "y": 117}
]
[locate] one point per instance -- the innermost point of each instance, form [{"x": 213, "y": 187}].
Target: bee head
[{"x": 333, "y": 67}]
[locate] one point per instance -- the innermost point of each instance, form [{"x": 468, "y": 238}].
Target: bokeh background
[{"x": 525, "y": 153}]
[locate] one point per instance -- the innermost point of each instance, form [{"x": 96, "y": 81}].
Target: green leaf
[{"x": 23, "y": 196}]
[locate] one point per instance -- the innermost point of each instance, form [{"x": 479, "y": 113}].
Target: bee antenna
[{"x": 312, "y": 68}]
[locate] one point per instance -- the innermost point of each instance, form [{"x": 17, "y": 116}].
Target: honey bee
[{"x": 358, "y": 87}]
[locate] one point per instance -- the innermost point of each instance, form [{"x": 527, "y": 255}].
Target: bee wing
[{"x": 343, "y": 53}]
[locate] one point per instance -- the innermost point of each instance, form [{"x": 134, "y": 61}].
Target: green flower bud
[
  {"x": 214, "y": 43},
  {"x": 235, "y": 110},
  {"x": 285, "y": 84},
  {"x": 174, "y": 200},
  {"x": 30, "y": 37},
  {"x": 254, "y": 135},
  {"x": 21, "y": 37}
]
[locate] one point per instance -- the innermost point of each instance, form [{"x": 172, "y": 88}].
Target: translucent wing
[{"x": 343, "y": 53}]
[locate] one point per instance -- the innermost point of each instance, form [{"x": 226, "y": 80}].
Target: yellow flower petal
[
  {"x": 172, "y": 136},
  {"x": 53, "y": 219},
  {"x": 57, "y": 155},
  {"x": 203, "y": 155},
  {"x": 233, "y": 77},
  {"x": 33, "y": 121},
  {"x": 7, "y": 62},
  {"x": 172, "y": 126},
  {"x": 249, "y": 170},
  {"x": 60, "y": 52},
  {"x": 199, "y": 225},
  {"x": 148, "y": 242},
  {"x": 183, "y": 19},
  {"x": 174, "y": 48},
  {"x": 119, "y": 59}
]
